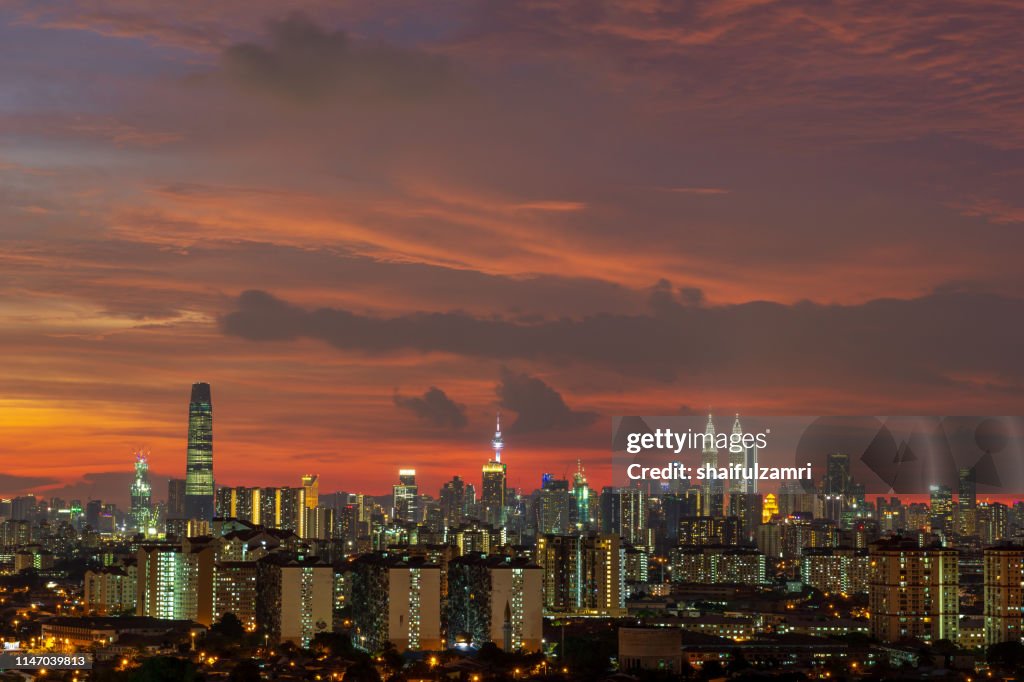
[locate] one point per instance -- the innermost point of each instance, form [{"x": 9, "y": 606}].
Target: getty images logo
[{"x": 677, "y": 441}]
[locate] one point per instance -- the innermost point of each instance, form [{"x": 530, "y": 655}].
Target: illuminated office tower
[
  {"x": 396, "y": 599},
  {"x": 492, "y": 490},
  {"x": 495, "y": 599},
  {"x": 199, "y": 457},
  {"x": 993, "y": 522},
  {"x": 453, "y": 501},
  {"x": 913, "y": 591},
  {"x": 714, "y": 490},
  {"x": 142, "y": 494},
  {"x": 311, "y": 484},
  {"x": 633, "y": 526},
  {"x": 555, "y": 506},
  {"x": 967, "y": 503},
  {"x": 1004, "y": 593},
  {"x": 295, "y": 598},
  {"x": 941, "y": 508},
  {"x": 770, "y": 508},
  {"x": 405, "y": 497},
  {"x": 584, "y": 500},
  {"x": 749, "y": 509},
  {"x": 737, "y": 459}
]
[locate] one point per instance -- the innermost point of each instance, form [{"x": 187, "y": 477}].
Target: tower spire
[{"x": 497, "y": 443}]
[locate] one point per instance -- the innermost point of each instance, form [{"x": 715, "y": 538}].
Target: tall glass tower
[
  {"x": 199, "y": 458},
  {"x": 141, "y": 493},
  {"x": 493, "y": 483}
]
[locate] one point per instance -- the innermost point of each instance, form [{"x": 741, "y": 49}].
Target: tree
[
  {"x": 393, "y": 660},
  {"x": 229, "y": 627},
  {"x": 333, "y": 643}
]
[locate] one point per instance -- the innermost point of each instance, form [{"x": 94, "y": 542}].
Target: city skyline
[{"x": 371, "y": 230}]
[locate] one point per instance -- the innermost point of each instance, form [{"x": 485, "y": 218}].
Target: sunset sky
[{"x": 371, "y": 226}]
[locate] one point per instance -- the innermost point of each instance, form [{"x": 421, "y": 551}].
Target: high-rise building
[
  {"x": 397, "y": 599},
  {"x": 176, "y": 498},
  {"x": 176, "y": 582},
  {"x": 583, "y": 574},
  {"x": 941, "y": 516},
  {"x": 913, "y": 591},
  {"x": 93, "y": 511},
  {"x": 714, "y": 489},
  {"x": 633, "y": 526},
  {"x": 737, "y": 457},
  {"x": 290, "y": 510},
  {"x": 967, "y": 503},
  {"x": 492, "y": 490},
  {"x": 835, "y": 570},
  {"x": 311, "y": 484},
  {"x": 749, "y": 509},
  {"x": 712, "y": 564},
  {"x": 495, "y": 599},
  {"x": 836, "y": 485},
  {"x": 453, "y": 501},
  {"x": 267, "y": 507},
  {"x": 1004, "y": 593},
  {"x": 199, "y": 459},
  {"x": 993, "y": 522},
  {"x": 405, "y": 497},
  {"x": 235, "y": 591},
  {"x": 295, "y": 598},
  {"x": 110, "y": 591},
  {"x": 555, "y": 506},
  {"x": 581, "y": 492},
  {"x": 141, "y": 494},
  {"x": 238, "y": 503}
]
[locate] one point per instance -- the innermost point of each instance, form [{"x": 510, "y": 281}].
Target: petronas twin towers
[{"x": 199, "y": 458}]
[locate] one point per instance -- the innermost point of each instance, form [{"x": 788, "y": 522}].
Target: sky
[{"x": 371, "y": 227}]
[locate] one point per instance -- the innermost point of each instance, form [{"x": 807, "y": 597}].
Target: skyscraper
[
  {"x": 493, "y": 484},
  {"x": 176, "y": 498},
  {"x": 311, "y": 482},
  {"x": 967, "y": 503},
  {"x": 1004, "y": 594},
  {"x": 405, "y": 497},
  {"x": 141, "y": 493},
  {"x": 199, "y": 458},
  {"x": 737, "y": 459},
  {"x": 913, "y": 591},
  {"x": 714, "y": 489}
]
